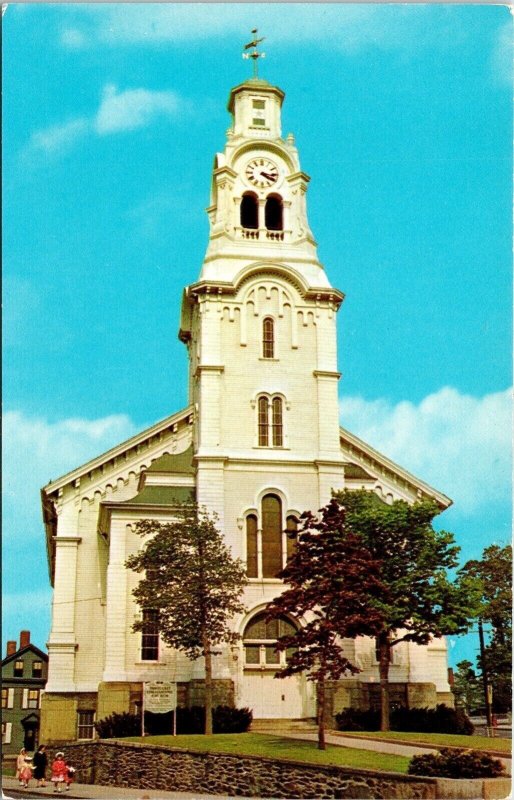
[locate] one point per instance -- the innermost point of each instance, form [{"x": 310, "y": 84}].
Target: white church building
[{"x": 259, "y": 443}]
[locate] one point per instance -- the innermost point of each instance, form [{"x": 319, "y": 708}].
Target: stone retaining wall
[{"x": 145, "y": 766}]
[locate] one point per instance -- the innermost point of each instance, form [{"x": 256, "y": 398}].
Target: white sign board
[{"x": 160, "y": 696}]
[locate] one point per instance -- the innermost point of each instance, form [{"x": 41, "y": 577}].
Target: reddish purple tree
[{"x": 334, "y": 582}]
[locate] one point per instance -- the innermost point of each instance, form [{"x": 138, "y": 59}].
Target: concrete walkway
[
  {"x": 11, "y": 788},
  {"x": 360, "y": 743}
]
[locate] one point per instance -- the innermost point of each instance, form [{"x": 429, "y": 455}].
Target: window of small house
[
  {"x": 33, "y": 698},
  {"x": 37, "y": 669},
  {"x": 18, "y": 669}
]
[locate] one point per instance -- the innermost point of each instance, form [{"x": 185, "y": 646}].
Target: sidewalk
[{"x": 11, "y": 788}]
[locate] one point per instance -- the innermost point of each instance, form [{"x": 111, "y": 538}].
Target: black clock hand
[{"x": 268, "y": 176}]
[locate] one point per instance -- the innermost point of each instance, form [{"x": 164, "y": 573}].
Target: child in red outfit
[{"x": 59, "y": 772}]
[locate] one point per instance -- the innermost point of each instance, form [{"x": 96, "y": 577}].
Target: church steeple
[{"x": 258, "y": 210}]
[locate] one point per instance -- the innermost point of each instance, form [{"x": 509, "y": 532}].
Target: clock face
[{"x": 261, "y": 172}]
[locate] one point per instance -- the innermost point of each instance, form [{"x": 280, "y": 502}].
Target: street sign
[{"x": 160, "y": 696}]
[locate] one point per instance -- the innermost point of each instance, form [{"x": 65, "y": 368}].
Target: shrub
[
  {"x": 453, "y": 762},
  {"x": 226, "y": 719},
  {"x": 116, "y": 726},
  {"x": 191, "y": 720},
  {"x": 441, "y": 719},
  {"x": 353, "y": 719}
]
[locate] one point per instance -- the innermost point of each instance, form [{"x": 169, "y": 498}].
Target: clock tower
[
  {"x": 260, "y": 326},
  {"x": 260, "y": 323}
]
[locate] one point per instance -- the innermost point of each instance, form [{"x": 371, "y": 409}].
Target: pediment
[{"x": 367, "y": 468}]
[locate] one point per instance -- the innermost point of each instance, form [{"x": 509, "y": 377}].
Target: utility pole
[{"x": 485, "y": 679}]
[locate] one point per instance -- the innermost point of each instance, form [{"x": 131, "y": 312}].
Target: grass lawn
[
  {"x": 260, "y": 744},
  {"x": 442, "y": 739}
]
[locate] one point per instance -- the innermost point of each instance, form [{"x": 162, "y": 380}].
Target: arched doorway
[{"x": 267, "y": 696}]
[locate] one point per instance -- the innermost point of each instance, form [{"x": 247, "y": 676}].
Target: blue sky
[{"x": 112, "y": 116}]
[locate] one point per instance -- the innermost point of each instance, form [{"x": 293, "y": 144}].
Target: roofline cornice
[
  {"x": 115, "y": 452},
  {"x": 368, "y": 451}
]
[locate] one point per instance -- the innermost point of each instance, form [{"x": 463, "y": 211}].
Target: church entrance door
[{"x": 274, "y": 698}]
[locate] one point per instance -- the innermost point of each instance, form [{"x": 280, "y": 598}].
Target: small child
[
  {"x": 26, "y": 772},
  {"x": 59, "y": 772},
  {"x": 70, "y": 775}
]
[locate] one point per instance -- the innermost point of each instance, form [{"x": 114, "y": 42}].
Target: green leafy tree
[
  {"x": 421, "y": 601},
  {"x": 193, "y": 582},
  {"x": 467, "y": 687},
  {"x": 333, "y": 581},
  {"x": 493, "y": 577}
]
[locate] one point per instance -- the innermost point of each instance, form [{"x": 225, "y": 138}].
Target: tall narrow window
[
  {"x": 291, "y": 532},
  {"x": 251, "y": 546},
  {"x": 277, "y": 422},
  {"x": 150, "y": 635},
  {"x": 271, "y": 536},
  {"x": 273, "y": 213},
  {"x": 263, "y": 421},
  {"x": 249, "y": 211},
  {"x": 18, "y": 669},
  {"x": 85, "y": 724},
  {"x": 268, "y": 338}
]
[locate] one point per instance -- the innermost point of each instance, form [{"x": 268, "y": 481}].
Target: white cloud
[
  {"x": 457, "y": 443},
  {"x": 36, "y": 451},
  {"x": 73, "y": 38},
  {"x": 347, "y": 27},
  {"x": 59, "y": 138},
  {"x": 133, "y": 108},
  {"x": 118, "y": 111}
]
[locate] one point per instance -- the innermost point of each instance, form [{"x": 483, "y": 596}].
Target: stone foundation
[{"x": 143, "y": 766}]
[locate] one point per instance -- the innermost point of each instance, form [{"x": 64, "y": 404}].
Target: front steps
[{"x": 283, "y": 725}]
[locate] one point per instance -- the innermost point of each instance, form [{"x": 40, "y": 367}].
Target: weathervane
[{"x": 255, "y": 55}]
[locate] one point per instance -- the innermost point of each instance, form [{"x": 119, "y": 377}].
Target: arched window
[
  {"x": 249, "y": 211},
  {"x": 273, "y": 213},
  {"x": 270, "y": 421},
  {"x": 271, "y": 536},
  {"x": 251, "y": 546},
  {"x": 263, "y": 421},
  {"x": 291, "y": 533},
  {"x": 259, "y": 640},
  {"x": 277, "y": 424},
  {"x": 268, "y": 338}
]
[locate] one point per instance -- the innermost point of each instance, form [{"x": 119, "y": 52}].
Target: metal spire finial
[{"x": 255, "y": 55}]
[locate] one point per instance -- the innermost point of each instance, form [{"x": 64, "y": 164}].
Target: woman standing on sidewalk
[{"x": 40, "y": 761}]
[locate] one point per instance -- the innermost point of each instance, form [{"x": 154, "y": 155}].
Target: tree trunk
[
  {"x": 384, "y": 652},
  {"x": 208, "y": 687},
  {"x": 320, "y": 691}
]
